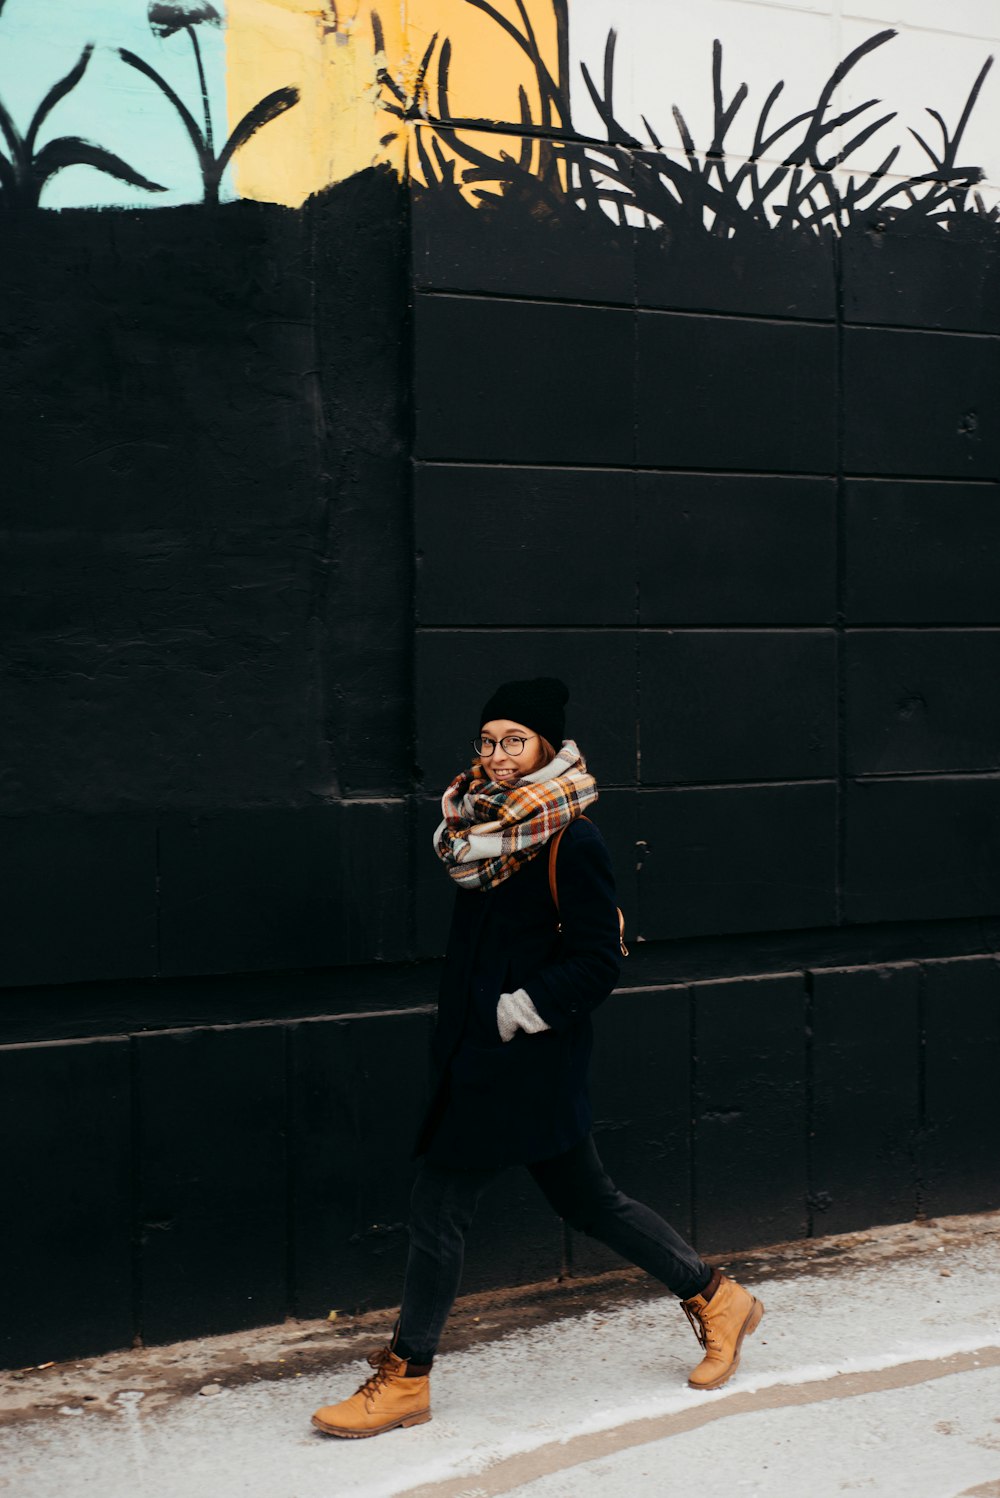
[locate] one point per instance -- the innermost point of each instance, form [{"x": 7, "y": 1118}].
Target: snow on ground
[
  {"x": 561, "y": 1383},
  {"x": 934, "y": 1441}
]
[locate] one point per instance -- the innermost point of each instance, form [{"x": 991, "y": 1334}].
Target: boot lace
[
  {"x": 700, "y": 1318},
  {"x": 375, "y": 1382}
]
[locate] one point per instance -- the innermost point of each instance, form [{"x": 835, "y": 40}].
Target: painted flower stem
[
  {"x": 206, "y": 107},
  {"x": 213, "y": 167},
  {"x": 25, "y": 170}
]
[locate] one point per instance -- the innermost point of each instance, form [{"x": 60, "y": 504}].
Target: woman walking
[{"x": 534, "y": 947}]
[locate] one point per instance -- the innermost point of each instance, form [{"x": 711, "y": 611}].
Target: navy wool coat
[{"x": 497, "y": 1104}]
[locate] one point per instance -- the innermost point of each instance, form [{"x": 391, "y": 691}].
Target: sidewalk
[{"x": 876, "y": 1370}]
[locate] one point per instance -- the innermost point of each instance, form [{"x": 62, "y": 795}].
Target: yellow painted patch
[
  {"x": 327, "y": 52},
  {"x": 487, "y": 63},
  {"x": 326, "y": 48}
]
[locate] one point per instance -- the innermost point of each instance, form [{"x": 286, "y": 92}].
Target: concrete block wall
[
  {"x": 290, "y": 489},
  {"x": 196, "y": 1179},
  {"x": 717, "y": 477}
]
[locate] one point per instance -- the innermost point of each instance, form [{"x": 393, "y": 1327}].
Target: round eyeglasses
[{"x": 513, "y": 745}]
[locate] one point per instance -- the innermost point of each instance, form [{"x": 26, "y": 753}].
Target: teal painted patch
[{"x": 114, "y": 105}]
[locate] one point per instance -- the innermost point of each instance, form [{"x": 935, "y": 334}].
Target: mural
[
  {"x": 168, "y": 18},
  {"x": 28, "y": 168},
  {"x": 498, "y": 100},
  {"x": 799, "y": 173}
]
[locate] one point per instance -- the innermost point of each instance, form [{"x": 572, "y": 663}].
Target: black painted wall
[
  {"x": 285, "y": 491},
  {"x": 205, "y": 1177},
  {"x": 206, "y": 637}
]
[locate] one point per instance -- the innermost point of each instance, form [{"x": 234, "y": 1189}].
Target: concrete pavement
[{"x": 876, "y": 1370}]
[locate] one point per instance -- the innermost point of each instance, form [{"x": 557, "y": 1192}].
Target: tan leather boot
[
  {"x": 720, "y": 1324},
  {"x": 385, "y": 1400}
]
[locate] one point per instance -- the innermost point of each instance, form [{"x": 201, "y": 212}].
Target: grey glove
[{"x": 515, "y": 1011}]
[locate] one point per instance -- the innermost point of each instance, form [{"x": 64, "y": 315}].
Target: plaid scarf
[{"x": 490, "y": 830}]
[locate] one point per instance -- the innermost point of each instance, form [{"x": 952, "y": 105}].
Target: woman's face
[{"x": 504, "y": 768}]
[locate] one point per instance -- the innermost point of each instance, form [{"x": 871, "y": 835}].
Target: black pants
[{"x": 579, "y": 1189}]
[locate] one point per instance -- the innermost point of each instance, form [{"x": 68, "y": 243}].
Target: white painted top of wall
[{"x": 664, "y": 58}]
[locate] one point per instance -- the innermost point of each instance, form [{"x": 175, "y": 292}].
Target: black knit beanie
[{"x": 540, "y": 704}]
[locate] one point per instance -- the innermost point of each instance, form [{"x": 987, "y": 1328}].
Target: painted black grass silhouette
[
  {"x": 168, "y": 17},
  {"x": 25, "y": 170},
  {"x": 946, "y": 178},
  {"x": 792, "y": 181},
  {"x": 813, "y": 193},
  {"x": 412, "y": 106},
  {"x": 534, "y": 176}
]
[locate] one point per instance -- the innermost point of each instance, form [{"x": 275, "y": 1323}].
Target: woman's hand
[{"x": 515, "y": 1011}]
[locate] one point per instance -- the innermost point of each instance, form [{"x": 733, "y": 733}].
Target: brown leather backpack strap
[
  {"x": 553, "y": 852},
  {"x": 554, "y": 888}
]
